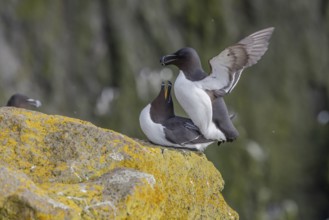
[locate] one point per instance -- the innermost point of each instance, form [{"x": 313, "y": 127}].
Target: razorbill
[
  {"x": 162, "y": 127},
  {"x": 22, "y": 101},
  {"x": 201, "y": 95}
]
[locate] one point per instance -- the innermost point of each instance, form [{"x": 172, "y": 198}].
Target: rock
[{"x": 55, "y": 167}]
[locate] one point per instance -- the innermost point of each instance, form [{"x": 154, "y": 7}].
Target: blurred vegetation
[{"x": 99, "y": 61}]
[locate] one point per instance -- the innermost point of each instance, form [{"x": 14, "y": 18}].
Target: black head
[
  {"x": 187, "y": 60},
  {"x": 162, "y": 107},
  {"x": 22, "y": 101},
  {"x": 186, "y": 56}
]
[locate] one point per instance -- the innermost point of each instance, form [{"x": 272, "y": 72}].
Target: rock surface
[{"x": 55, "y": 167}]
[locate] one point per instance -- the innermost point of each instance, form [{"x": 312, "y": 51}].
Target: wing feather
[{"x": 227, "y": 67}]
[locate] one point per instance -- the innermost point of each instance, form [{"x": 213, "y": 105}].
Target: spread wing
[{"x": 229, "y": 64}]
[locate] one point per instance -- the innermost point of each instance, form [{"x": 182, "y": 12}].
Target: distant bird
[
  {"x": 201, "y": 95},
  {"x": 22, "y": 101},
  {"x": 162, "y": 127}
]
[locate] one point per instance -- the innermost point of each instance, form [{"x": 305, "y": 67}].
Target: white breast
[
  {"x": 197, "y": 104},
  {"x": 153, "y": 131}
]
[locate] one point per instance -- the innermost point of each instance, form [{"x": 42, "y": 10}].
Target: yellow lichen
[{"x": 75, "y": 164}]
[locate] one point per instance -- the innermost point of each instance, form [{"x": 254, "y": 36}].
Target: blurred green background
[{"x": 99, "y": 61}]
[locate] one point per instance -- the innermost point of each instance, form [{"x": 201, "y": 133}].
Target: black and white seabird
[
  {"x": 201, "y": 95},
  {"x": 22, "y": 101},
  {"x": 161, "y": 126}
]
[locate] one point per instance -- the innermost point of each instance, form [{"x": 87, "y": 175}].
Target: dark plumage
[
  {"x": 22, "y": 101},
  {"x": 201, "y": 95},
  {"x": 160, "y": 124}
]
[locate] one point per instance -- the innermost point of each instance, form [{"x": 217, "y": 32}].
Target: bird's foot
[{"x": 230, "y": 139}]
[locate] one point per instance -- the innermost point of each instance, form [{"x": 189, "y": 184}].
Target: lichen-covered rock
[{"x": 54, "y": 167}]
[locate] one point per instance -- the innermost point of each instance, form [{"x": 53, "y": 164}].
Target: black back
[
  {"x": 222, "y": 119},
  {"x": 178, "y": 130}
]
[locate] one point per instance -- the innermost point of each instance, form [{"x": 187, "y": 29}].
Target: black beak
[
  {"x": 34, "y": 102},
  {"x": 168, "y": 92},
  {"x": 168, "y": 59}
]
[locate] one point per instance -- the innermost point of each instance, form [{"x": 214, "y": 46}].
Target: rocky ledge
[{"x": 55, "y": 167}]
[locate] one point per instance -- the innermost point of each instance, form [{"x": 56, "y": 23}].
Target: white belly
[
  {"x": 197, "y": 104},
  {"x": 153, "y": 131}
]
